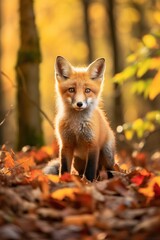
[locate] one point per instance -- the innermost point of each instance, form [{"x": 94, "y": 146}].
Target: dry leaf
[
  {"x": 88, "y": 219},
  {"x": 53, "y": 178},
  {"x": 66, "y": 177},
  {"x": 149, "y": 191},
  {"x": 26, "y": 162},
  {"x": 60, "y": 194},
  {"x": 8, "y": 161}
]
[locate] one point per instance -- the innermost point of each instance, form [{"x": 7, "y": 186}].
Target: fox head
[{"x": 79, "y": 88}]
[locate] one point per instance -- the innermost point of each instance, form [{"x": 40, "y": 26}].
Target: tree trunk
[
  {"x": 27, "y": 70},
  {"x": 118, "y": 108},
  {"x": 1, "y": 90},
  {"x": 86, "y": 4}
]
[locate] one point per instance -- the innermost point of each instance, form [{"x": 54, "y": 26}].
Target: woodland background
[
  {"x": 33, "y": 33},
  {"x": 34, "y": 205}
]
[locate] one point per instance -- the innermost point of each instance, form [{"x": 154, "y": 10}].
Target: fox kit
[{"x": 83, "y": 132}]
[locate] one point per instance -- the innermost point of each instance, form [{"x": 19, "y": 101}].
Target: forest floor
[{"x": 37, "y": 206}]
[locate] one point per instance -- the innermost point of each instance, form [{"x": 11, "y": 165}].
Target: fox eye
[
  {"x": 87, "y": 90},
  {"x": 71, "y": 90}
]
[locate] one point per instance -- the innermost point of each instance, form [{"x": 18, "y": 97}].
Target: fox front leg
[
  {"x": 92, "y": 165},
  {"x": 66, "y": 156}
]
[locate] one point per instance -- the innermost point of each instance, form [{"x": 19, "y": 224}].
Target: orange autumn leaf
[
  {"x": 43, "y": 180},
  {"x": 138, "y": 179},
  {"x": 60, "y": 194},
  {"x": 66, "y": 177},
  {"x": 149, "y": 191},
  {"x": 47, "y": 149},
  {"x": 145, "y": 173},
  {"x": 26, "y": 162},
  {"x": 84, "y": 199},
  {"x": 34, "y": 174},
  {"x": 142, "y": 176},
  {"x": 39, "y": 155},
  {"x": 37, "y": 174},
  {"x": 42, "y": 154},
  {"x": 124, "y": 167},
  {"x": 53, "y": 178},
  {"x": 9, "y": 161}
]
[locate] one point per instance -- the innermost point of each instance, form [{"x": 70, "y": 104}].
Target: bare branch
[
  {"x": 8, "y": 78},
  {"x": 25, "y": 92},
  {"x": 31, "y": 100},
  {"x": 6, "y": 115}
]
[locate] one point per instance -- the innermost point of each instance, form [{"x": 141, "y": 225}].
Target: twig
[
  {"x": 25, "y": 91},
  {"x": 6, "y": 76},
  {"x": 7, "y": 114},
  {"x": 31, "y": 100}
]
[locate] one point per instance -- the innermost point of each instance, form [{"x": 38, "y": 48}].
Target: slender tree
[
  {"x": 27, "y": 71},
  {"x": 86, "y": 4},
  {"x": 1, "y": 91},
  {"x": 118, "y": 108}
]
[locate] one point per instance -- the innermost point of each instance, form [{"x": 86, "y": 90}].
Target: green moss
[{"x": 25, "y": 56}]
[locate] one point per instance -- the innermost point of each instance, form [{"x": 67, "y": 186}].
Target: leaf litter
[{"x": 38, "y": 206}]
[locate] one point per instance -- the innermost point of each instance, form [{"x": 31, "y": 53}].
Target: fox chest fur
[{"x": 75, "y": 131}]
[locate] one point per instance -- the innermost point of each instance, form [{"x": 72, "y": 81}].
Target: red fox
[{"x": 82, "y": 129}]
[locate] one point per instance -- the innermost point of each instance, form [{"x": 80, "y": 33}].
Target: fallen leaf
[
  {"x": 156, "y": 189},
  {"x": 26, "y": 162},
  {"x": 147, "y": 224},
  {"x": 8, "y": 161},
  {"x": 88, "y": 219},
  {"x": 60, "y": 194},
  {"x": 33, "y": 174},
  {"x": 118, "y": 186},
  {"x": 66, "y": 177},
  {"x": 53, "y": 178},
  {"x": 47, "y": 149},
  {"x": 11, "y": 231},
  {"x": 138, "y": 179},
  {"x": 39, "y": 155},
  {"x": 142, "y": 176},
  {"x": 149, "y": 191}
]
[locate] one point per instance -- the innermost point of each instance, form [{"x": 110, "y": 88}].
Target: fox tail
[{"x": 52, "y": 167}]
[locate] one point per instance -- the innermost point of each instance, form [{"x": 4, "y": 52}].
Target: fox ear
[
  {"x": 63, "y": 68},
  {"x": 96, "y": 69}
]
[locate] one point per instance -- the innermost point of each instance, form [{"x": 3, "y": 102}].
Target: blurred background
[{"x": 33, "y": 33}]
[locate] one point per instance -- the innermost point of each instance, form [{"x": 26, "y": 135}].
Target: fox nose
[{"x": 79, "y": 104}]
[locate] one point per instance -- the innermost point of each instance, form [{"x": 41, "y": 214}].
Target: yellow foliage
[
  {"x": 150, "y": 41},
  {"x": 143, "y": 67},
  {"x": 155, "y": 63},
  {"x": 155, "y": 86},
  {"x": 156, "y": 16},
  {"x": 129, "y": 134}
]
